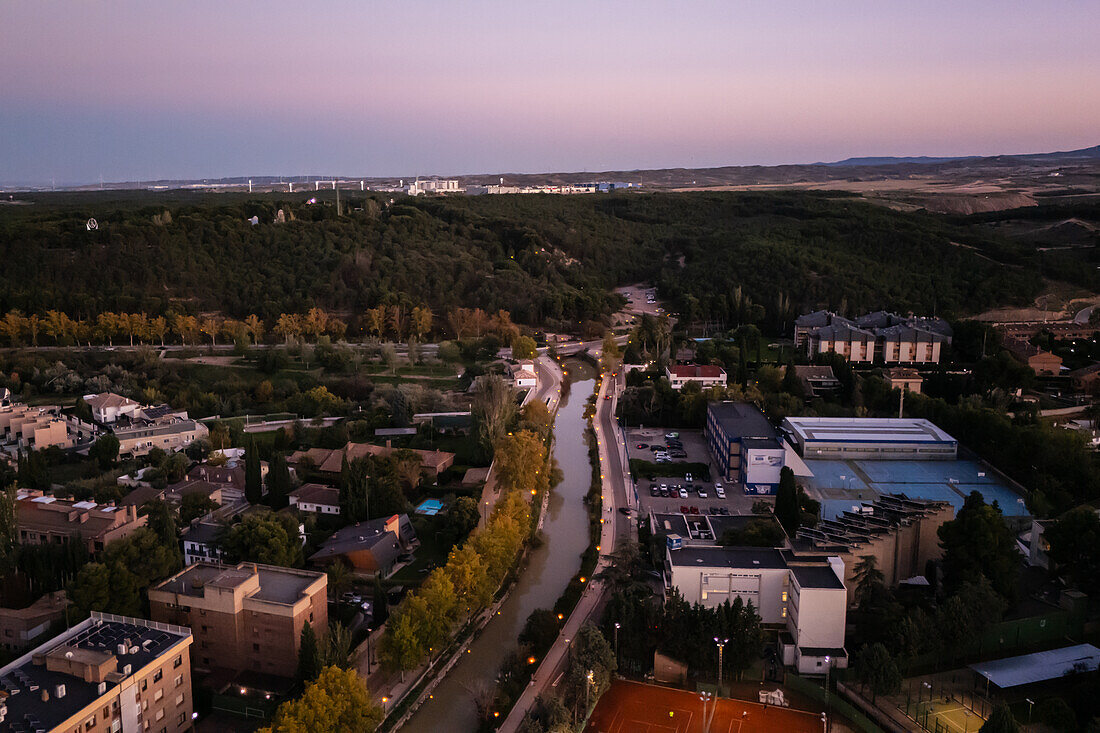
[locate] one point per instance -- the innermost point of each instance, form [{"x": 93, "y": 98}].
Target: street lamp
[
  {"x": 1029, "y": 702},
  {"x": 587, "y": 687},
  {"x": 721, "y": 644},
  {"x": 828, "y": 666},
  {"x": 616, "y": 642}
]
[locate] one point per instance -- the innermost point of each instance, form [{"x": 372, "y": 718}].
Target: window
[
  {"x": 89, "y": 723},
  {"x": 181, "y": 718},
  {"x": 106, "y": 713},
  {"x": 255, "y": 647},
  {"x": 179, "y": 680},
  {"x": 144, "y": 685},
  {"x": 158, "y": 695},
  {"x": 179, "y": 699},
  {"x": 178, "y": 662},
  {"x": 158, "y": 676},
  {"x": 160, "y": 715},
  {"x": 784, "y": 596}
]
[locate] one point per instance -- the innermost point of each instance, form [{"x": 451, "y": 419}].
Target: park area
[{"x": 631, "y": 707}]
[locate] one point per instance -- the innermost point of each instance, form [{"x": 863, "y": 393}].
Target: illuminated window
[{"x": 784, "y": 596}]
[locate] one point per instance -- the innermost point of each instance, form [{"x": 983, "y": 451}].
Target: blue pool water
[{"x": 429, "y": 507}]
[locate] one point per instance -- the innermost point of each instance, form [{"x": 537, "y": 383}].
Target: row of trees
[
  {"x": 465, "y": 584},
  {"x": 395, "y": 322}
]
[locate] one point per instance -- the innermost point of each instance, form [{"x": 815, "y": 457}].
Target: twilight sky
[{"x": 208, "y": 88}]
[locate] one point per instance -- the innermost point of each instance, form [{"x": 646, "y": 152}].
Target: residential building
[
  {"x": 316, "y": 498},
  {"x": 881, "y": 337},
  {"x": 1041, "y": 362},
  {"x": 900, "y": 534},
  {"x": 804, "y": 597},
  {"x": 1086, "y": 379},
  {"x": 906, "y": 379},
  {"x": 152, "y": 428},
  {"x": 524, "y": 376},
  {"x": 41, "y": 427},
  {"x": 20, "y": 626},
  {"x": 861, "y": 438},
  {"x": 330, "y": 462},
  {"x": 745, "y": 446},
  {"x": 176, "y": 492},
  {"x": 369, "y": 547},
  {"x": 200, "y": 542},
  {"x": 230, "y": 478},
  {"x": 45, "y": 519},
  {"x": 108, "y": 407},
  {"x": 244, "y": 617},
  {"x": 107, "y": 674},
  {"x": 704, "y": 375},
  {"x": 817, "y": 381}
]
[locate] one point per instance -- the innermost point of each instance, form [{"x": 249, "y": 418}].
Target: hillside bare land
[{"x": 550, "y": 260}]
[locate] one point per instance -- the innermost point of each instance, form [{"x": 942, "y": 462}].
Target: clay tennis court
[{"x": 630, "y": 707}]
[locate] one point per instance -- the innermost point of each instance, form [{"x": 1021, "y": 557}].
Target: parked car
[
  {"x": 683, "y": 493},
  {"x": 702, "y": 494},
  {"x": 693, "y": 510},
  {"x": 353, "y": 599},
  {"x": 672, "y": 435},
  {"x": 683, "y": 509},
  {"x": 678, "y": 454},
  {"x": 720, "y": 492},
  {"x": 687, "y": 477},
  {"x": 654, "y": 491},
  {"x": 624, "y": 510},
  {"x": 640, "y": 446}
]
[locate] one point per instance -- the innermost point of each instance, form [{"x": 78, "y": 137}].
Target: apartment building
[
  {"x": 20, "y": 626},
  {"x": 107, "y": 674},
  {"x": 880, "y": 337},
  {"x": 152, "y": 428},
  {"x": 46, "y": 519},
  {"x": 36, "y": 428},
  {"x": 704, "y": 375},
  {"x": 803, "y": 597},
  {"x": 244, "y": 617}
]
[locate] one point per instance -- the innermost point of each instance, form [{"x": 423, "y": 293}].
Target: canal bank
[{"x": 550, "y": 567}]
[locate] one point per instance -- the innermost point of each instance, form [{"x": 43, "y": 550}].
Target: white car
[
  {"x": 687, "y": 477},
  {"x": 702, "y": 494},
  {"x": 717, "y": 485},
  {"x": 683, "y": 493},
  {"x": 720, "y": 492}
]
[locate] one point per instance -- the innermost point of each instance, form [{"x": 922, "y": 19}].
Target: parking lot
[{"x": 699, "y": 495}]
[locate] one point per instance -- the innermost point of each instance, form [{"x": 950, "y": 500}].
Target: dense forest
[{"x": 726, "y": 258}]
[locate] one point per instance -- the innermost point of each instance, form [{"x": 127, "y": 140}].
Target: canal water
[{"x": 549, "y": 569}]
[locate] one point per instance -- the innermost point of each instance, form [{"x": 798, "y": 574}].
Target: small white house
[
  {"x": 704, "y": 375},
  {"x": 315, "y": 498},
  {"x": 524, "y": 376}
]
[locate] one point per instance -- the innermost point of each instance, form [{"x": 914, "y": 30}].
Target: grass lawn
[{"x": 431, "y": 554}]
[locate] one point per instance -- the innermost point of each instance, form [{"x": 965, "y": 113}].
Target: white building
[
  {"x": 433, "y": 185},
  {"x": 108, "y": 407},
  {"x": 200, "y": 543},
  {"x": 804, "y": 597},
  {"x": 316, "y": 498},
  {"x": 704, "y": 375},
  {"x": 863, "y": 438},
  {"x": 524, "y": 376}
]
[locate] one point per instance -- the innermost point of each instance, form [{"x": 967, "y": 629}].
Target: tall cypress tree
[
  {"x": 253, "y": 481},
  {"x": 278, "y": 482},
  {"x": 309, "y": 655},
  {"x": 786, "y": 502}
]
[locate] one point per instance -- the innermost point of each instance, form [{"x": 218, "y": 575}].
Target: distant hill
[{"x": 1086, "y": 154}]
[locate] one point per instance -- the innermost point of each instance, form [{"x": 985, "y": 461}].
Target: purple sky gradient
[{"x": 140, "y": 90}]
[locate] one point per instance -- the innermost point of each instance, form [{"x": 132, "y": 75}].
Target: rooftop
[
  {"x": 866, "y": 430},
  {"x": 697, "y": 371},
  {"x": 317, "y": 494},
  {"x": 90, "y": 648},
  {"x": 1040, "y": 666},
  {"x": 741, "y": 420},
  {"x": 728, "y": 557},
  {"x": 374, "y": 536},
  {"x": 276, "y": 584},
  {"x": 816, "y": 576}
]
